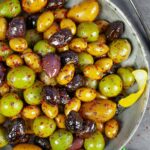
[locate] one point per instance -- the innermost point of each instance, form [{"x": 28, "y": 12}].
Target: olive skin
[
  {"x": 26, "y": 146},
  {"x": 88, "y": 30},
  {"x": 60, "y": 121},
  {"x": 126, "y": 76},
  {"x": 21, "y": 77},
  {"x": 61, "y": 139},
  {"x": 60, "y": 14},
  {"x": 120, "y": 50},
  {"x": 3, "y": 141},
  {"x": 10, "y": 105},
  {"x": 3, "y": 25},
  {"x": 4, "y": 89},
  {"x": 111, "y": 128},
  {"x": 2, "y": 119},
  {"x": 111, "y": 85},
  {"x": 102, "y": 25},
  {"x": 55, "y": 4},
  {"x": 91, "y": 83},
  {"x": 43, "y": 126}
]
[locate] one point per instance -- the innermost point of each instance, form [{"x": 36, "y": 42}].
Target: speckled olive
[
  {"x": 4, "y": 89},
  {"x": 104, "y": 64},
  {"x": 78, "y": 44},
  {"x": 97, "y": 111},
  {"x": 3, "y": 29},
  {"x": 3, "y": 139},
  {"x": 14, "y": 60},
  {"x": 95, "y": 142},
  {"x": 33, "y": 61},
  {"x": 30, "y": 112},
  {"x": 74, "y": 104},
  {"x": 111, "y": 128},
  {"x": 43, "y": 126},
  {"x": 26, "y": 146},
  {"x": 91, "y": 83},
  {"x": 44, "y": 21},
  {"x": 60, "y": 121},
  {"x": 2, "y": 119},
  {"x": 63, "y": 49},
  {"x": 120, "y": 50},
  {"x": 18, "y": 44},
  {"x": 92, "y": 72},
  {"x": 66, "y": 74},
  {"x": 60, "y": 14},
  {"x": 42, "y": 48},
  {"x": 88, "y": 30},
  {"x": 102, "y": 25},
  {"x": 49, "y": 110},
  {"x": 55, "y": 4},
  {"x": 50, "y": 31},
  {"x": 32, "y": 95},
  {"x": 21, "y": 77},
  {"x": 126, "y": 76},
  {"x": 61, "y": 139},
  {"x": 5, "y": 51},
  {"x": 31, "y": 6},
  {"x": 111, "y": 85},
  {"x": 86, "y": 94},
  {"x": 10, "y": 105},
  {"x": 97, "y": 49},
  {"x": 68, "y": 23}
]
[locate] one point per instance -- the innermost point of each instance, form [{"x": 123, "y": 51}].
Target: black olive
[
  {"x": 42, "y": 142},
  {"x": 31, "y": 21},
  {"x": 17, "y": 28},
  {"x": 61, "y": 38},
  {"x": 74, "y": 122},
  {"x": 54, "y": 4},
  {"x": 68, "y": 57},
  {"x": 64, "y": 96},
  {"x": 2, "y": 73}
]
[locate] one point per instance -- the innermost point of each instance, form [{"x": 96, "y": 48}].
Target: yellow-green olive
[
  {"x": 91, "y": 83},
  {"x": 100, "y": 96},
  {"x": 111, "y": 128},
  {"x": 97, "y": 49},
  {"x": 92, "y": 72},
  {"x": 102, "y": 25},
  {"x": 3, "y": 28},
  {"x": 60, "y": 121},
  {"x": 120, "y": 50},
  {"x": 60, "y": 14},
  {"x": 2, "y": 119},
  {"x": 26, "y": 147},
  {"x": 85, "y": 11},
  {"x": 14, "y": 60},
  {"x": 4, "y": 89},
  {"x": 66, "y": 74},
  {"x": 104, "y": 64},
  {"x": 68, "y": 23},
  {"x": 18, "y": 44},
  {"x": 50, "y": 31},
  {"x": 44, "y": 21},
  {"x": 49, "y": 110},
  {"x": 63, "y": 49},
  {"x": 30, "y": 112},
  {"x": 86, "y": 94},
  {"x": 73, "y": 104},
  {"x": 101, "y": 39},
  {"x": 78, "y": 44}
]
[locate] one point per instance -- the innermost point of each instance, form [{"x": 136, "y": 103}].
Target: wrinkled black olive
[
  {"x": 115, "y": 30},
  {"x": 77, "y": 82},
  {"x": 42, "y": 142},
  {"x": 68, "y": 57},
  {"x": 17, "y": 28},
  {"x": 2, "y": 73},
  {"x": 89, "y": 127},
  {"x": 74, "y": 122},
  {"x": 61, "y": 38},
  {"x": 54, "y": 4},
  {"x": 31, "y": 21},
  {"x": 64, "y": 96}
]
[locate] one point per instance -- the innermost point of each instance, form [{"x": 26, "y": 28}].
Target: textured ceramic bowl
[{"x": 132, "y": 116}]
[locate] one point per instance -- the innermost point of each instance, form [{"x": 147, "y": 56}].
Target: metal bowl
[{"x": 131, "y": 117}]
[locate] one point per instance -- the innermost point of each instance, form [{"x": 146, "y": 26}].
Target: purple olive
[{"x": 2, "y": 73}]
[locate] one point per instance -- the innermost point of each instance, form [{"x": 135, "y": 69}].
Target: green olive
[
  {"x": 32, "y": 95},
  {"x": 89, "y": 31},
  {"x": 111, "y": 85},
  {"x": 42, "y": 48},
  {"x": 21, "y": 77},
  {"x": 10, "y": 105},
  {"x": 126, "y": 76},
  {"x": 44, "y": 126},
  {"x": 3, "y": 139},
  {"x": 61, "y": 140},
  {"x": 120, "y": 50},
  {"x": 91, "y": 83},
  {"x": 95, "y": 142}
]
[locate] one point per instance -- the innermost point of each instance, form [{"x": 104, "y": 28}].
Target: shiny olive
[
  {"x": 111, "y": 128},
  {"x": 10, "y": 105},
  {"x": 31, "y": 21},
  {"x": 60, "y": 121},
  {"x": 21, "y": 77},
  {"x": 14, "y": 60},
  {"x": 3, "y": 29},
  {"x": 88, "y": 30},
  {"x": 26, "y": 146},
  {"x": 61, "y": 140},
  {"x": 102, "y": 25},
  {"x": 54, "y": 4},
  {"x": 60, "y": 14},
  {"x": 32, "y": 95},
  {"x": 120, "y": 50},
  {"x": 3, "y": 139},
  {"x": 2, "y": 119},
  {"x": 43, "y": 126},
  {"x": 95, "y": 142},
  {"x": 43, "y": 48},
  {"x": 91, "y": 83},
  {"x": 126, "y": 76},
  {"x": 111, "y": 85}
]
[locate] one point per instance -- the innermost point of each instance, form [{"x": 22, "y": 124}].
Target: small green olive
[{"x": 91, "y": 83}]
